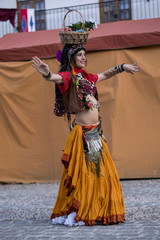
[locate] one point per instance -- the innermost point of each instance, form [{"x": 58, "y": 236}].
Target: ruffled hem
[
  {"x": 73, "y": 208},
  {"x": 113, "y": 219},
  {"x": 74, "y": 220}
]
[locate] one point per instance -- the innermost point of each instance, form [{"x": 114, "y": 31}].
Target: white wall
[
  {"x": 50, "y": 4},
  {"x": 8, "y": 4},
  {"x": 54, "y": 18},
  {"x": 6, "y": 27},
  {"x": 143, "y": 9}
]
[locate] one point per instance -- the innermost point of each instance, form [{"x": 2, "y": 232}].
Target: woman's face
[{"x": 80, "y": 59}]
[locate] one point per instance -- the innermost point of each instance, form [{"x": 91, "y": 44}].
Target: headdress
[
  {"x": 68, "y": 52},
  {"x": 75, "y": 49}
]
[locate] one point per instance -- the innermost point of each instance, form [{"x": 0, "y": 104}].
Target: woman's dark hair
[{"x": 65, "y": 61}]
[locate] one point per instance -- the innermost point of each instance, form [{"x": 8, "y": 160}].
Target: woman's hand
[
  {"x": 43, "y": 68},
  {"x": 130, "y": 68},
  {"x": 40, "y": 66}
]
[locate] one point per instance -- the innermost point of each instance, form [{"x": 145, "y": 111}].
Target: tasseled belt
[{"x": 92, "y": 141}]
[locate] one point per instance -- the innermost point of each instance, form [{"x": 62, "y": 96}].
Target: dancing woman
[{"x": 90, "y": 190}]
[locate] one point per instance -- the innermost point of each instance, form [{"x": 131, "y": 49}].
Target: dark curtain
[{"x": 8, "y": 14}]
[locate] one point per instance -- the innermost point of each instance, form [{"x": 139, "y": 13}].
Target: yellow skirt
[{"x": 94, "y": 197}]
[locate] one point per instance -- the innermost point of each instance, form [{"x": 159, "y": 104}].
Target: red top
[{"x": 66, "y": 78}]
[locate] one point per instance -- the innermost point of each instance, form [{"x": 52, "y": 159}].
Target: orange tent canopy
[{"x": 115, "y": 35}]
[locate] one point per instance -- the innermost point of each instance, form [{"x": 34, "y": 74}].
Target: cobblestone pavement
[{"x": 25, "y": 211}]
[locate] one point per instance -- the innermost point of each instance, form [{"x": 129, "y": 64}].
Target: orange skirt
[{"x": 94, "y": 197}]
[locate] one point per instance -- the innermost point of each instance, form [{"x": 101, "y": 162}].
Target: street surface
[{"x": 25, "y": 214}]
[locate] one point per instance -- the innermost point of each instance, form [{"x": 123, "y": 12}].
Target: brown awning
[{"x": 116, "y": 35}]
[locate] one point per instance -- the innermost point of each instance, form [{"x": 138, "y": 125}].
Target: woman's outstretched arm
[
  {"x": 129, "y": 68},
  {"x": 43, "y": 68}
]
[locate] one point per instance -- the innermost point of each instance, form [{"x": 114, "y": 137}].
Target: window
[
  {"x": 115, "y": 10},
  {"x": 39, "y": 7},
  {"x": 40, "y": 15},
  {"x": 124, "y": 10}
]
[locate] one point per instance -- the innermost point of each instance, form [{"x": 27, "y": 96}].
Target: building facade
[{"x": 49, "y": 14}]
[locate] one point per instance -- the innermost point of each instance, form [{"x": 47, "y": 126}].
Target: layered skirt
[{"x": 90, "y": 190}]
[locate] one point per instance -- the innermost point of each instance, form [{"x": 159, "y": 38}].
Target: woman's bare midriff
[{"x": 88, "y": 117}]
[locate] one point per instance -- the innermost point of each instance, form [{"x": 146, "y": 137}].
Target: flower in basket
[
  {"x": 78, "y": 27},
  {"x": 90, "y": 24}
]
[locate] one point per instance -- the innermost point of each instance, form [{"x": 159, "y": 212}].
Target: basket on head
[{"x": 73, "y": 37}]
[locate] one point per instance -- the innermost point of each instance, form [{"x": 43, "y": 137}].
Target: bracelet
[
  {"x": 116, "y": 70},
  {"x": 47, "y": 77},
  {"x": 119, "y": 68}
]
